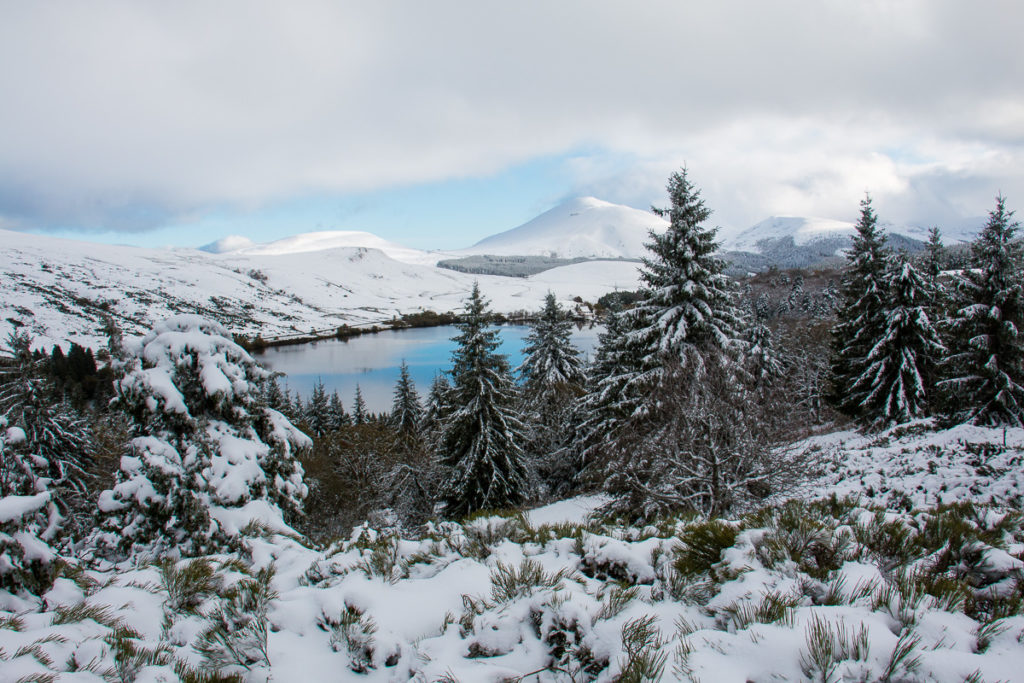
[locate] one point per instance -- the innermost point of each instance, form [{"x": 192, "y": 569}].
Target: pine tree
[
  {"x": 204, "y": 442},
  {"x": 317, "y": 410},
  {"x": 553, "y": 377},
  {"x": 359, "y": 414},
  {"x": 551, "y": 366},
  {"x": 337, "y": 417},
  {"x": 406, "y": 411},
  {"x": 437, "y": 409},
  {"x": 688, "y": 309},
  {"x": 761, "y": 360},
  {"x": 934, "y": 263},
  {"x": 895, "y": 382},
  {"x": 480, "y": 440},
  {"x": 985, "y": 370},
  {"x": 861, "y": 321}
]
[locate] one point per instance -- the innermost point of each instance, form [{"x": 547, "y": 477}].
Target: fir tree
[
  {"x": 861, "y": 321},
  {"x": 406, "y": 411},
  {"x": 688, "y": 309},
  {"x": 337, "y": 417},
  {"x": 934, "y": 263},
  {"x": 552, "y": 366},
  {"x": 318, "y": 410},
  {"x": 437, "y": 409},
  {"x": 204, "y": 441},
  {"x": 480, "y": 440},
  {"x": 553, "y": 377},
  {"x": 985, "y": 370},
  {"x": 359, "y": 414},
  {"x": 895, "y": 382},
  {"x": 761, "y": 360}
]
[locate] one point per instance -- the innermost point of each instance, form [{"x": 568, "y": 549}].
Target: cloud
[{"x": 123, "y": 114}]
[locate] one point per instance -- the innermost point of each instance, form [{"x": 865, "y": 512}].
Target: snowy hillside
[
  {"x": 61, "y": 289},
  {"x": 802, "y": 230},
  {"x": 771, "y": 233},
  {"x": 820, "y": 589},
  {"x": 320, "y": 241},
  {"x": 584, "y": 227}
]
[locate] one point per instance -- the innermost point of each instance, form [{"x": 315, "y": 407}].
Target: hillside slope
[{"x": 584, "y": 227}]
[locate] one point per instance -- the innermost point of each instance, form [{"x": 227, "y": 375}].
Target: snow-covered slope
[
  {"x": 772, "y": 232},
  {"x": 584, "y": 227},
  {"x": 60, "y": 290},
  {"x": 319, "y": 241},
  {"x": 802, "y": 230}
]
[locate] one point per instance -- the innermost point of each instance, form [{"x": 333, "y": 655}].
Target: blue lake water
[{"x": 372, "y": 360}]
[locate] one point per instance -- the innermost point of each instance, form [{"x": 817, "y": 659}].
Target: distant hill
[{"x": 580, "y": 228}]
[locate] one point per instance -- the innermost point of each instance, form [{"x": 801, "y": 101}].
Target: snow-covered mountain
[
  {"x": 804, "y": 231},
  {"x": 318, "y": 241},
  {"x": 60, "y": 290},
  {"x": 583, "y": 227}
]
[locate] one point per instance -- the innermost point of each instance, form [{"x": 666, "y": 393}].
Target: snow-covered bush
[
  {"x": 29, "y": 519},
  {"x": 208, "y": 456}
]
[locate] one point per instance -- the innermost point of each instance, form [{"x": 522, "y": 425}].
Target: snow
[
  {"x": 59, "y": 290},
  {"x": 572, "y": 510},
  {"x": 16, "y": 507},
  {"x": 582, "y": 227},
  {"x": 803, "y": 230}
]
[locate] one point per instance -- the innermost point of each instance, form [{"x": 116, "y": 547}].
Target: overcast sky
[{"x": 436, "y": 123}]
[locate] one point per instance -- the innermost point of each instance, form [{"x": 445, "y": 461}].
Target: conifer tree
[
  {"x": 553, "y": 377},
  {"x": 406, "y": 411},
  {"x": 688, "y": 309},
  {"x": 985, "y": 370},
  {"x": 861, "y": 321},
  {"x": 437, "y": 408},
  {"x": 895, "y": 382},
  {"x": 551, "y": 366},
  {"x": 337, "y": 417},
  {"x": 317, "y": 410},
  {"x": 204, "y": 442},
  {"x": 359, "y": 414},
  {"x": 934, "y": 263},
  {"x": 481, "y": 438}
]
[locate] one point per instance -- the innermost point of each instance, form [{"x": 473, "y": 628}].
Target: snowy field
[{"x": 824, "y": 589}]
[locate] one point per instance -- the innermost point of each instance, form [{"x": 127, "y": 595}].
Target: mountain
[
  {"x": 318, "y": 241},
  {"x": 583, "y": 227},
  {"x": 60, "y": 290}
]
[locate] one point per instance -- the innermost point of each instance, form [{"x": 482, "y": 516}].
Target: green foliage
[
  {"x": 702, "y": 546},
  {"x": 828, "y": 645},
  {"x": 237, "y": 634},
  {"x": 645, "y": 658},
  {"x": 509, "y": 582},
  {"x": 189, "y": 583}
]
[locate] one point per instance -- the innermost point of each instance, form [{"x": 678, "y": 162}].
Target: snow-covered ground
[
  {"x": 59, "y": 290},
  {"x": 824, "y": 589}
]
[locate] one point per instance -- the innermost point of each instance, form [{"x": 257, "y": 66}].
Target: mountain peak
[{"x": 579, "y": 227}]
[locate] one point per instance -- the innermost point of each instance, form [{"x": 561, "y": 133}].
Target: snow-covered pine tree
[
  {"x": 481, "y": 438},
  {"x": 208, "y": 456},
  {"x": 551, "y": 368},
  {"x": 359, "y": 414},
  {"x": 406, "y": 411},
  {"x": 58, "y": 443},
  {"x": 274, "y": 397},
  {"x": 318, "y": 410},
  {"x": 761, "y": 360},
  {"x": 861, "y": 320},
  {"x": 895, "y": 383},
  {"x": 337, "y": 417},
  {"x": 438, "y": 407},
  {"x": 553, "y": 378},
  {"x": 688, "y": 308},
  {"x": 933, "y": 265},
  {"x": 985, "y": 369}
]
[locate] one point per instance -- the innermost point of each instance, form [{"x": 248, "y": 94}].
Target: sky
[{"x": 436, "y": 124}]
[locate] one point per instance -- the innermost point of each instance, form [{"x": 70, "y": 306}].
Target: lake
[{"x": 372, "y": 360}]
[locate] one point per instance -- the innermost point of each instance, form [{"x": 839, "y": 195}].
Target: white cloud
[{"x": 125, "y": 113}]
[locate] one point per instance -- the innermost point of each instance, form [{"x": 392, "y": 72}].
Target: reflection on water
[{"x": 372, "y": 360}]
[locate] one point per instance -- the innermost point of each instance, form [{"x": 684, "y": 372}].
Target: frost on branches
[
  {"x": 985, "y": 370},
  {"x": 895, "y": 381},
  {"x": 208, "y": 456},
  {"x": 481, "y": 436},
  {"x": 44, "y": 449}
]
